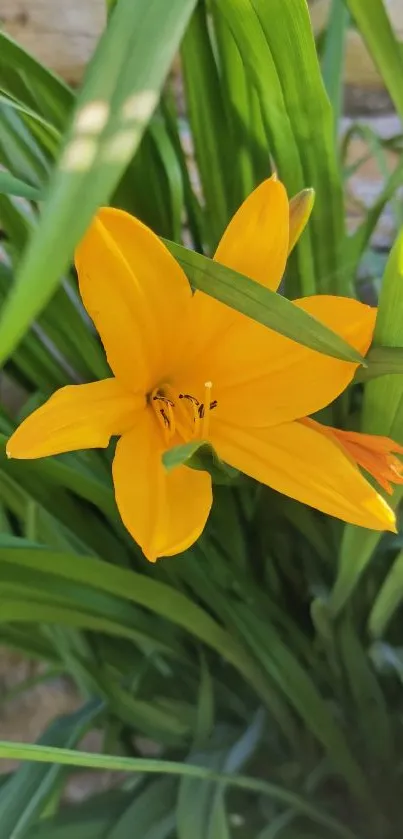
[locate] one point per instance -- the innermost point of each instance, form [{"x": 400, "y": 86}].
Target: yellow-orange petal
[
  {"x": 301, "y": 206},
  {"x": 165, "y": 512},
  {"x": 299, "y": 462},
  {"x": 136, "y": 294},
  {"x": 374, "y": 453},
  {"x": 255, "y": 243},
  {"x": 76, "y": 417},
  {"x": 261, "y": 378}
]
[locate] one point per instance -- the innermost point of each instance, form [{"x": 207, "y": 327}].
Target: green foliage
[{"x": 263, "y": 668}]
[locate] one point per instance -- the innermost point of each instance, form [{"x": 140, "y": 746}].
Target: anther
[
  {"x": 165, "y": 418},
  {"x": 164, "y": 399},
  {"x": 165, "y": 412},
  {"x": 191, "y": 398},
  {"x": 201, "y": 409}
]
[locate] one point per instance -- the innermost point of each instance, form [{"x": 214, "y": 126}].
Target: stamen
[
  {"x": 205, "y": 413},
  {"x": 165, "y": 414},
  {"x": 164, "y": 399},
  {"x": 165, "y": 418},
  {"x": 191, "y": 398},
  {"x": 181, "y": 413},
  {"x": 191, "y": 405}
]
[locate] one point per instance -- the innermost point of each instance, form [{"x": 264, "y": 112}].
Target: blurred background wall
[{"x": 63, "y": 33}]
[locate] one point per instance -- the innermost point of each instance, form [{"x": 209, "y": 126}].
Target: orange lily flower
[{"x": 186, "y": 366}]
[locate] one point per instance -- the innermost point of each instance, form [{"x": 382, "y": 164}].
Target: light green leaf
[
  {"x": 375, "y": 27},
  {"x": 207, "y": 116},
  {"x": 28, "y": 81},
  {"x": 200, "y": 455},
  {"x": 381, "y": 361},
  {"x": 248, "y": 159},
  {"x": 276, "y": 44},
  {"x": 382, "y": 414},
  {"x": 333, "y": 56},
  {"x": 9, "y": 185},
  {"x": 388, "y": 599},
  {"x": 120, "y": 92},
  {"x": 356, "y": 244},
  {"x": 181, "y": 454}
]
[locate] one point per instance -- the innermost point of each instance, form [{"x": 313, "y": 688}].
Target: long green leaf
[
  {"x": 89, "y": 819},
  {"x": 67, "y": 757},
  {"x": 157, "y": 597},
  {"x": 24, "y": 796},
  {"x": 261, "y": 304},
  {"x": 14, "y": 186},
  {"x": 118, "y": 97},
  {"x": 333, "y": 56},
  {"x": 146, "y": 811},
  {"x": 375, "y": 27},
  {"x": 302, "y": 693},
  {"x": 382, "y": 414},
  {"x": 276, "y": 44},
  {"x": 388, "y": 599},
  {"x": 207, "y": 115},
  {"x": 29, "y": 82},
  {"x": 367, "y": 695},
  {"x": 382, "y": 361},
  {"x": 356, "y": 244}
]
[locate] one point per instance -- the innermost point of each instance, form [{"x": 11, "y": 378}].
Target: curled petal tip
[
  {"x": 300, "y": 209},
  {"x": 389, "y": 517}
]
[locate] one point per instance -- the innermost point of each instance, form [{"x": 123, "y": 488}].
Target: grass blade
[
  {"x": 24, "y": 796},
  {"x": 375, "y": 27},
  {"x": 382, "y": 414},
  {"x": 67, "y": 757}
]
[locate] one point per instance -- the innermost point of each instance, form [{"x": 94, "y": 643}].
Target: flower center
[{"x": 182, "y": 413}]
